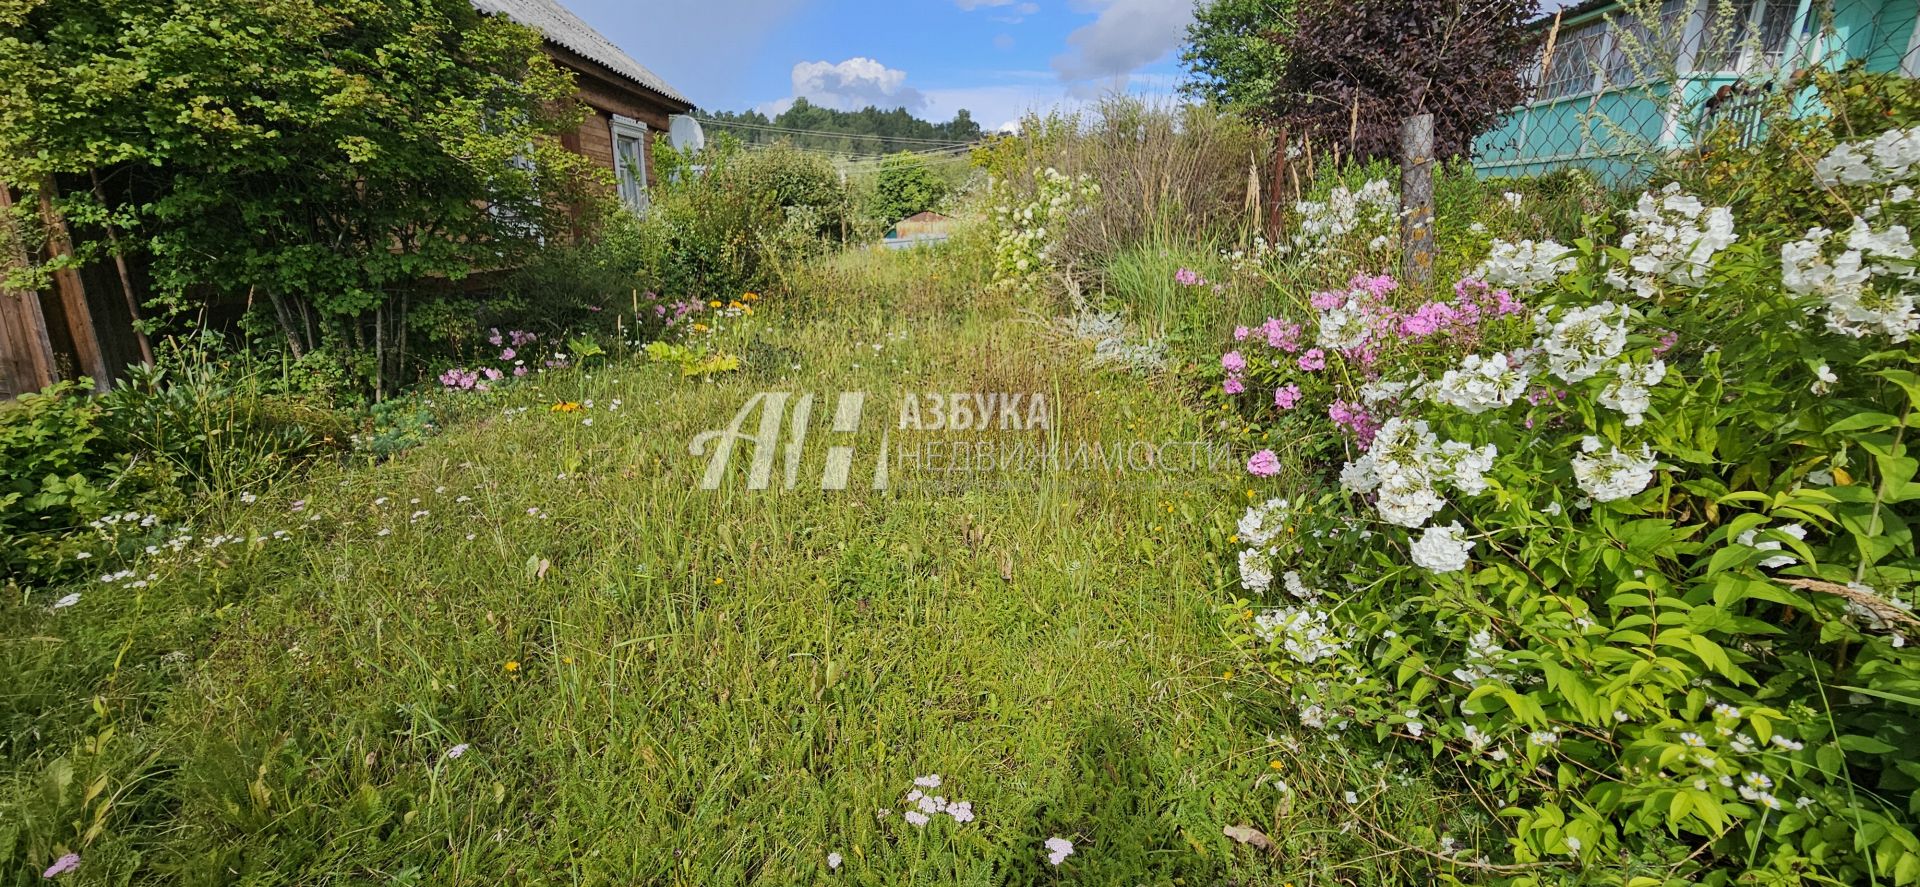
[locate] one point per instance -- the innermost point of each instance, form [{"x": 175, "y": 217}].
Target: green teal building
[{"x": 1615, "y": 82}]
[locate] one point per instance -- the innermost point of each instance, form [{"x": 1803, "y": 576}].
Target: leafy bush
[
  {"x": 903, "y": 186},
  {"x": 57, "y": 477},
  {"x": 1640, "y": 569}
]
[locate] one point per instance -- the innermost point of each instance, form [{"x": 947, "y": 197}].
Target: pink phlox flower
[
  {"x": 1233, "y": 362},
  {"x": 62, "y": 866},
  {"x": 1241, "y": 333},
  {"x": 1282, "y": 334},
  {"x": 1355, "y": 419},
  {"x": 1287, "y": 396},
  {"x": 1313, "y": 361},
  {"x": 1263, "y": 464},
  {"x": 1327, "y": 301},
  {"x": 1234, "y": 385}
]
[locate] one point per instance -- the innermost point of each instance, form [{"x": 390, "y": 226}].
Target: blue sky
[{"x": 996, "y": 58}]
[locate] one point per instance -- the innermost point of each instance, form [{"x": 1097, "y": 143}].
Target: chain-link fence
[{"x": 1617, "y": 84}]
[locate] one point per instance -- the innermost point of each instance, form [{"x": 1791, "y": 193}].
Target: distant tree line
[{"x": 866, "y": 131}]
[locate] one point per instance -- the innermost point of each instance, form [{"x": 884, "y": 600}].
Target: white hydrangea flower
[
  {"x": 1466, "y": 465},
  {"x": 1614, "y": 475},
  {"x": 1407, "y": 462},
  {"x": 1631, "y": 390},
  {"x": 1343, "y": 328},
  {"x": 1526, "y": 267},
  {"x": 1882, "y": 160},
  {"x": 1442, "y": 549},
  {"x": 1583, "y": 341},
  {"x": 1305, "y": 633},
  {"x": 1751, "y": 539},
  {"x": 1358, "y": 476},
  {"x": 1256, "y": 574},
  {"x": 1869, "y": 285},
  {"x": 1481, "y": 384},
  {"x": 1262, "y": 522},
  {"x": 1673, "y": 240}
]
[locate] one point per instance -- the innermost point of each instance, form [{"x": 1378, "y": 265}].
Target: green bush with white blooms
[{"x": 1637, "y": 563}]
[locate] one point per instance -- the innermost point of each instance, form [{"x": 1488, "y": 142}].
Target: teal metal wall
[{"x": 1611, "y": 131}]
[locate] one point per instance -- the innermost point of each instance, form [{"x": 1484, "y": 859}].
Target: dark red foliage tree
[{"x": 1463, "y": 61}]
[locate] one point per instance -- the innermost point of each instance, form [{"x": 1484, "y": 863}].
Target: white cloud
[
  {"x": 1003, "y": 42},
  {"x": 1127, "y": 35},
  {"x": 971, "y": 5},
  {"x": 854, "y": 84}
]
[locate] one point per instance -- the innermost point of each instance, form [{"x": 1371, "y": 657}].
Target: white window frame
[{"x": 630, "y": 172}]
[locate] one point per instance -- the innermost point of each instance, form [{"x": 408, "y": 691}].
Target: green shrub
[{"x": 1640, "y": 571}]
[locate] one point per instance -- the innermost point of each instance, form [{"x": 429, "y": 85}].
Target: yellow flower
[
  {"x": 511, "y": 666},
  {"x": 1227, "y": 676},
  {"x": 567, "y": 659},
  {"x": 566, "y": 406},
  {"x": 750, "y": 297},
  {"x": 1276, "y": 765},
  {"x": 699, "y": 327},
  {"x": 714, "y": 303}
]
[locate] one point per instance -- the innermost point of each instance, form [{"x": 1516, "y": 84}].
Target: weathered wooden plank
[
  {"x": 26, "y": 355},
  {"x": 73, "y": 293}
]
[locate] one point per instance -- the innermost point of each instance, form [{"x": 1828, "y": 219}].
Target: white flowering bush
[
  {"x": 1644, "y": 573},
  {"x": 1026, "y": 234}
]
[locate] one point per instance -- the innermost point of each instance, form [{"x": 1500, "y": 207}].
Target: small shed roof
[
  {"x": 560, "y": 26},
  {"x": 926, "y": 215}
]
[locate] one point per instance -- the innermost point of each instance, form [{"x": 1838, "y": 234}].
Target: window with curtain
[
  {"x": 1570, "y": 69},
  {"x": 630, "y": 161},
  {"x": 1646, "y": 43},
  {"x": 1745, "y": 36}
]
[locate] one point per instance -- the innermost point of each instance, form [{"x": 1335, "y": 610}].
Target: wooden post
[
  {"x": 73, "y": 292},
  {"x": 1416, "y": 200},
  {"x": 1276, "y": 194},
  {"x": 26, "y": 356}
]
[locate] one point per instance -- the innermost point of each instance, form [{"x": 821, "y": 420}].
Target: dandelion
[
  {"x": 510, "y": 666},
  {"x": 62, "y": 866},
  {"x": 1058, "y": 849}
]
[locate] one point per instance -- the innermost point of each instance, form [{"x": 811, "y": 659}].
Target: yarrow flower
[{"x": 1058, "y": 849}]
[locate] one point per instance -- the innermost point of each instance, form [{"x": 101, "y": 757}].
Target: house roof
[
  {"x": 925, "y": 216},
  {"x": 560, "y": 26}
]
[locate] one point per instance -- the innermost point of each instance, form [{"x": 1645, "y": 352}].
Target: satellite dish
[{"x": 685, "y": 134}]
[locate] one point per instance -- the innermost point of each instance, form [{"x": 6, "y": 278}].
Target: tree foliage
[
  {"x": 1347, "y": 72},
  {"x": 330, "y": 157},
  {"x": 866, "y": 131},
  {"x": 904, "y": 186},
  {"x": 1233, "y": 53}
]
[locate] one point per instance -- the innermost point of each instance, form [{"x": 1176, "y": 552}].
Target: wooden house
[{"x": 83, "y": 323}]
